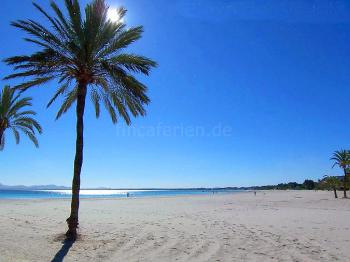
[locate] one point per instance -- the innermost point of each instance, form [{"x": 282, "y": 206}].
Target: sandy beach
[{"x": 273, "y": 226}]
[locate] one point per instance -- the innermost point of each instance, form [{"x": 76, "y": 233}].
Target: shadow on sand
[{"x": 67, "y": 244}]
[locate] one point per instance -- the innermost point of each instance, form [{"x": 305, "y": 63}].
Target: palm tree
[
  {"x": 331, "y": 182},
  {"x": 341, "y": 158},
  {"x": 15, "y": 116},
  {"x": 86, "y": 55}
]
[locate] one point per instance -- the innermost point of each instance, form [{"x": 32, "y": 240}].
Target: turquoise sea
[{"x": 108, "y": 193}]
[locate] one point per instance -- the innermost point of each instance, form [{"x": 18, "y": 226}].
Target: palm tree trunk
[
  {"x": 335, "y": 192},
  {"x": 73, "y": 220},
  {"x": 344, "y": 183}
]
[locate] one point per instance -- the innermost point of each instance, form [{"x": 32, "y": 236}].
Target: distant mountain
[{"x": 35, "y": 187}]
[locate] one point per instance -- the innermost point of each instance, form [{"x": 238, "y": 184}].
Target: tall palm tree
[
  {"x": 341, "y": 158},
  {"x": 15, "y": 116},
  {"x": 86, "y": 55}
]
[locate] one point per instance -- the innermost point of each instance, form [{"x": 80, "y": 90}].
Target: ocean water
[{"x": 110, "y": 193}]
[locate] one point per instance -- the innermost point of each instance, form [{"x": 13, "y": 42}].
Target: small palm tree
[
  {"x": 15, "y": 116},
  {"x": 86, "y": 55},
  {"x": 341, "y": 158},
  {"x": 332, "y": 182}
]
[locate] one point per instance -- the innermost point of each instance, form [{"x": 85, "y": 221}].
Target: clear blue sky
[{"x": 266, "y": 83}]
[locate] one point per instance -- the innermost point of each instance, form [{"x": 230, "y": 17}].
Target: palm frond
[
  {"x": 2, "y": 142},
  {"x": 35, "y": 82},
  {"x": 122, "y": 40},
  {"x": 16, "y": 134},
  {"x": 341, "y": 158},
  {"x": 110, "y": 109},
  {"x": 67, "y": 103},
  {"x": 135, "y": 63},
  {"x": 95, "y": 99},
  {"x": 59, "y": 92},
  {"x": 15, "y": 116}
]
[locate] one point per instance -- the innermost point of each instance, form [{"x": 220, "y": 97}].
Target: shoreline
[{"x": 113, "y": 197}]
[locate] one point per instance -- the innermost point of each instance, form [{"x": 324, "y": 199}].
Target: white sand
[{"x": 273, "y": 226}]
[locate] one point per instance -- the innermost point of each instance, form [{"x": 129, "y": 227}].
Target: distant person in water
[
  {"x": 254, "y": 193},
  {"x": 128, "y": 194}
]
